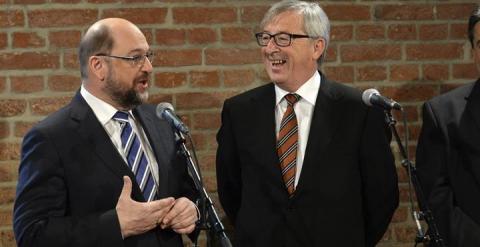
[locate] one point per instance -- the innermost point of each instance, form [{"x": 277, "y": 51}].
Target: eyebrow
[{"x": 138, "y": 50}]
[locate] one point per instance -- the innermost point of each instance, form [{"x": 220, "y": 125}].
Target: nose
[
  {"x": 147, "y": 66},
  {"x": 271, "y": 45}
]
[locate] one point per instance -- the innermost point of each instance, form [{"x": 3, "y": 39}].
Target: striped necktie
[
  {"x": 136, "y": 158},
  {"x": 287, "y": 143}
]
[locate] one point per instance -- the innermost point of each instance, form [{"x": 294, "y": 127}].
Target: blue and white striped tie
[{"x": 136, "y": 158}]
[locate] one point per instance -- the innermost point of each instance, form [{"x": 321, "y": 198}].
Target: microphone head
[
  {"x": 162, "y": 107},
  {"x": 367, "y": 94}
]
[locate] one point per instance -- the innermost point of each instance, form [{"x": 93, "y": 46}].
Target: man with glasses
[
  {"x": 302, "y": 161},
  {"x": 103, "y": 170}
]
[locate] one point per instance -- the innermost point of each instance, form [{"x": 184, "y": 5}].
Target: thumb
[{"x": 127, "y": 187}]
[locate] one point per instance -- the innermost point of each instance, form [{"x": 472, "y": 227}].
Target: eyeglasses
[
  {"x": 137, "y": 60},
  {"x": 281, "y": 39}
]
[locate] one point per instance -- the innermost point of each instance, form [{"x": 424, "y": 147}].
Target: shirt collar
[
  {"x": 102, "y": 110},
  {"x": 308, "y": 91}
]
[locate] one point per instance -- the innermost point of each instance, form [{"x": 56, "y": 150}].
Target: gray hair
[
  {"x": 315, "y": 21},
  {"x": 97, "y": 40}
]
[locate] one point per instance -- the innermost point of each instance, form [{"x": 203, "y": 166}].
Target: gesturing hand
[
  {"x": 139, "y": 217},
  {"x": 182, "y": 217}
]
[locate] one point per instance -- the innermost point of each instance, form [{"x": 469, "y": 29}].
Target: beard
[{"x": 125, "y": 97}]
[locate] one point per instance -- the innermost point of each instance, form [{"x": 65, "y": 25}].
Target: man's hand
[
  {"x": 182, "y": 216},
  {"x": 139, "y": 217}
]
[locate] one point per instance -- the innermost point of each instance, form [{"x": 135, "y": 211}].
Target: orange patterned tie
[{"x": 288, "y": 142}]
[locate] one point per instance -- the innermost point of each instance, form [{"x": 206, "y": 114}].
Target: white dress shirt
[
  {"x": 104, "y": 113},
  {"x": 304, "y": 112}
]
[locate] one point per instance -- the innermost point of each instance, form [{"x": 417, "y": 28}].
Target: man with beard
[
  {"x": 302, "y": 161},
  {"x": 103, "y": 170}
]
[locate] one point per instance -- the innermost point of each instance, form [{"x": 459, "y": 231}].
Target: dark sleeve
[
  {"x": 228, "y": 167},
  {"x": 41, "y": 212},
  {"x": 379, "y": 177},
  {"x": 455, "y": 227}
]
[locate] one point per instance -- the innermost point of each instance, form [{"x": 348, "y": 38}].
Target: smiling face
[{"x": 289, "y": 67}]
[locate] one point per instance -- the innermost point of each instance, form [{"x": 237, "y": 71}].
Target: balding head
[{"x": 100, "y": 39}]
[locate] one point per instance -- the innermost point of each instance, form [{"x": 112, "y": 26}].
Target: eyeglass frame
[
  {"x": 134, "y": 60},
  {"x": 291, "y": 37}
]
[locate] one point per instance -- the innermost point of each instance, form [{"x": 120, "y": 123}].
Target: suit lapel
[
  {"x": 97, "y": 139},
  {"x": 322, "y": 128}
]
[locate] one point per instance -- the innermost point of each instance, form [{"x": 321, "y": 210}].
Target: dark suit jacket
[
  {"x": 448, "y": 163},
  {"x": 347, "y": 190},
  {"x": 70, "y": 178}
]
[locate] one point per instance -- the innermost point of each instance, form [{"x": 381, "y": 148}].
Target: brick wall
[{"x": 410, "y": 50}]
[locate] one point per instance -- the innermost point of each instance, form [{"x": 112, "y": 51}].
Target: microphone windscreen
[
  {"x": 162, "y": 107},
  {"x": 367, "y": 94}
]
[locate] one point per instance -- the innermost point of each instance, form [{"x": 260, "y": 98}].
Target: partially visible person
[
  {"x": 302, "y": 161},
  {"x": 448, "y": 156},
  {"x": 103, "y": 170}
]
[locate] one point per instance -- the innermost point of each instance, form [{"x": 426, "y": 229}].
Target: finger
[
  {"x": 127, "y": 187},
  {"x": 185, "y": 230},
  {"x": 184, "y": 222},
  {"x": 177, "y": 208}
]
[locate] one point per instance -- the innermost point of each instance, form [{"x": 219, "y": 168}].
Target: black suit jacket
[
  {"x": 347, "y": 191},
  {"x": 70, "y": 178},
  {"x": 448, "y": 163}
]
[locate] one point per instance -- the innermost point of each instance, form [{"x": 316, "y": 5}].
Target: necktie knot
[
  {"x": 121, "y": 116},
  {"x": 292, "y": 98}
]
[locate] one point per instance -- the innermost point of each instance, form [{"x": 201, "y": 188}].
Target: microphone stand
[
  {"x": 432, "y": 238},
  {"x": 209, "y": 218}
]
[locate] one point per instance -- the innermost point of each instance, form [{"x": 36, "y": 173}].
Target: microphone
[
  {"x": 165, "y": 112},
  {"x": 372, "y": 97}
]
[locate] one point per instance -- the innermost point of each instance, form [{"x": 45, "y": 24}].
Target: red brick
[
  {"x": 433, "y": 31},
  {"x": 402, "y": 32},
  {"x": 401, "y": 214},
  {"x": 238, "y": 78},
  {"x": 170, "y": 79},
  {"x": 445, "y": 87},
  {"x": 340, "y": 73},
  {"x": 434, "y": 51},
  {"x": 6, "y": 217},
  {"x": 102, "y": 1},
  {"x": 347, "y": 12},
  {"x": 64, "y": 39},
  {"x": 3, "y": 84},
  {"x": 26, "y": 84},
  {"x": 465, "y": 71},
  {"x": 459, "y": 31},
  {"x": 356, "y": 53},
  {"x": 202, "y": 15},
  {"x": 253, "y": 14},
  {"x": 369, "y": 32},
  {"x": 331, "y": 55},
  {"x": 201, "y": 36},
  {"x": 148, "y": 35},
  {"x": 24, "y": 40},
  {"x": 45, "y": 106},
  {"x": 8, "y": 171},
  {"x": 11, "y": 18},
  {"x": 201, "y": 141},
  {"x": 207, "y": 162},
  {"x": 178, "y": 57},
  {"x": 12, "y": 107},
  {"x": 63, "y": 83},
  {"x": 4, "y": 129},
  {"x": 9, "y": 151},
  {"x": 65, "y": 1},
  {"x": 232, "y": 56},
  {"x": 404, "y": 72},
  {"x": 7, "y": 238},
  {"x": 29, "y": 60},
  {"x": 206, "y": 121},
  {"x": 371, "y": 73},
  {"x": 341, "y": 33},
  {"x": 157, "y": 98},
  {"x": 237, "y": 35},
  {"x": 29, "y": 1},
  {"x": 138, "y": 15},
  {"x": 200, "y": 100},
  {"x": 62, "y": 17},
  {"x": 204, "y": 79},
  {"x": 404, "y": 12},
  {"x": 459, "y": 11},
  {"x": 210, "y": 182},
  {"x": 405, "y": 233},
  {"x": 21, "y": 128},
  {"x": 170, "y": 36},
  {"x": 435, "y": 72},
  {"x": 7, "y": 195},
  {"x": 70, "y": 60},
  {"x": 407, "y": 93},
  {"x": 3, "y": 40}
]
